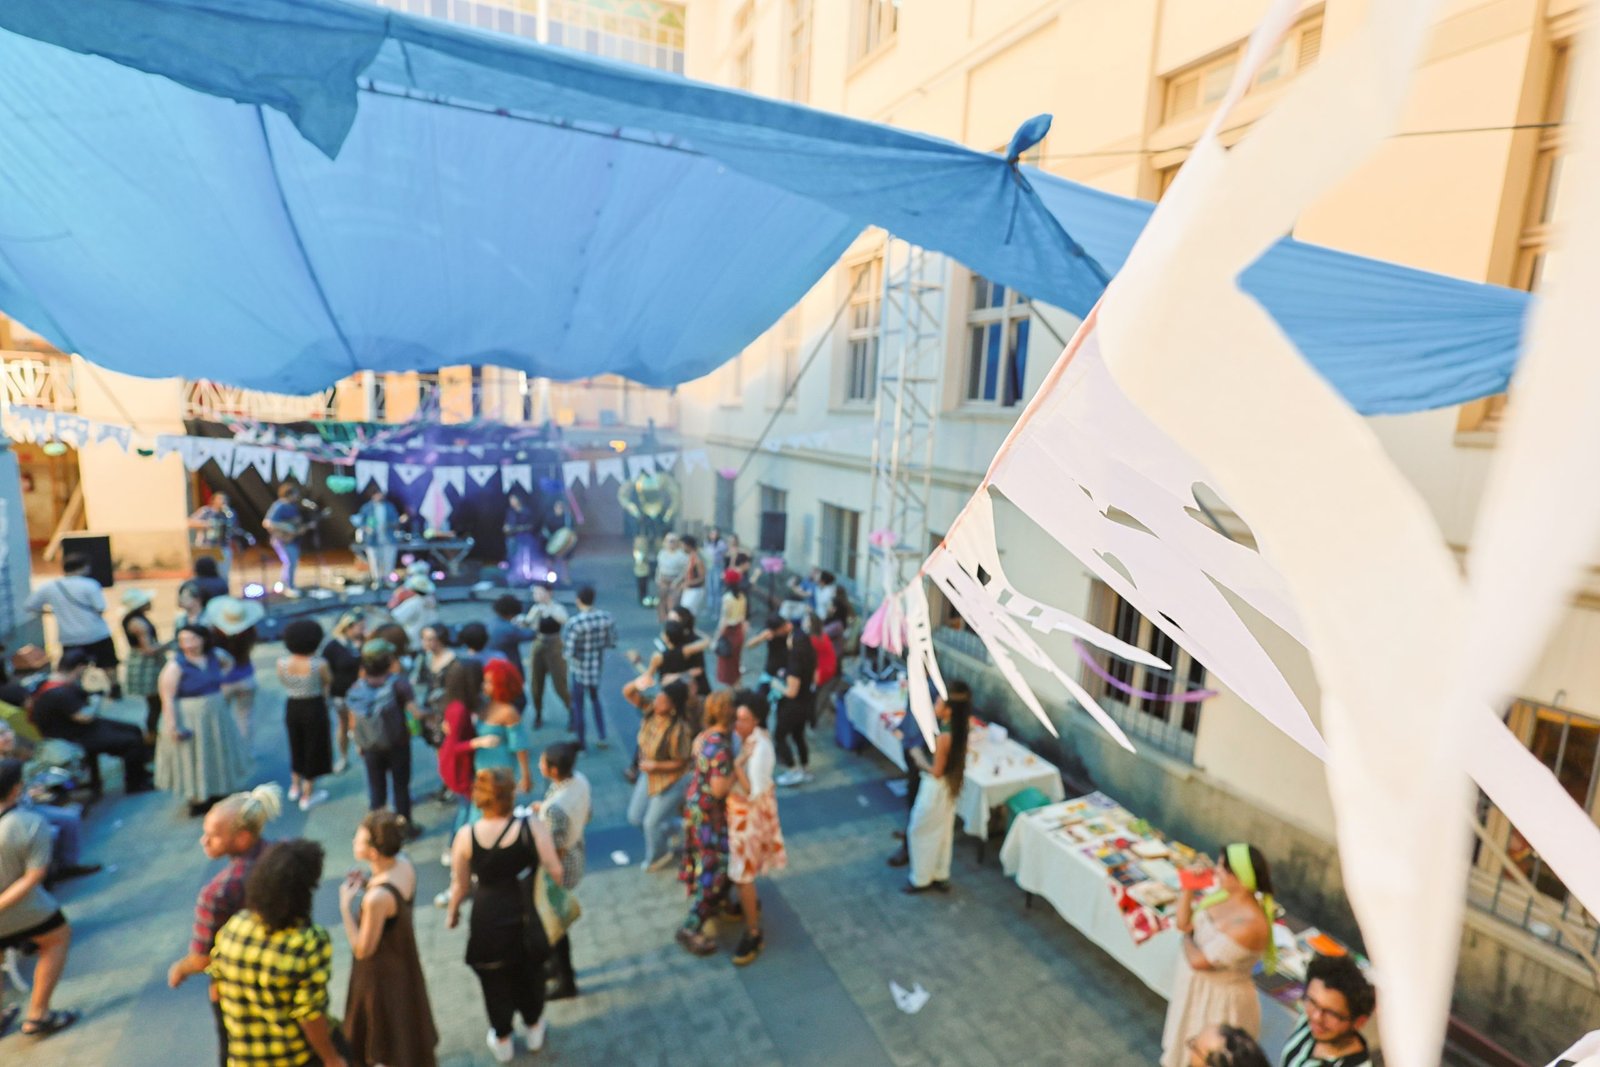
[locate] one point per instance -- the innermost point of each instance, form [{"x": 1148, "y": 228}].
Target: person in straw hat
[
  {"x": 146, "y": 656},
  {"x": 199, "y": 753},
  {"x": 233, "y": 625}
]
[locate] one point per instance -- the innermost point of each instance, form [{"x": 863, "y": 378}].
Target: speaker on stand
[{"x": 96, "y": 548}]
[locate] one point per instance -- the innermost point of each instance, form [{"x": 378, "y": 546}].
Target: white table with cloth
[
  {"x": 997, "y": 769},
  {"x": 1048, "y": 864}
]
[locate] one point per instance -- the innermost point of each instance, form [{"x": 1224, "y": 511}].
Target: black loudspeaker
[
  {"x": 774, "y": 531},
  {"x": 96, "y": 548}
]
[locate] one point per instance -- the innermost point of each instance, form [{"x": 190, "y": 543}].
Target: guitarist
[{"x": 285, "y": 523}]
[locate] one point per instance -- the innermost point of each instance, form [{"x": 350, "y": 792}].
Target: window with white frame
[
  {"x": 797, "y": 71},
  {"x": 1196, "y": 87},
  {"x": 1139, "y": 697},
  {"x": 866, "y": 307},
  {"x": 874, "y": 23},
  {"x": 836, "y": 552},
  {"x": 998, "y": 320}
]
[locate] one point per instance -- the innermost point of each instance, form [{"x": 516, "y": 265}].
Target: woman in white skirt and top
[
  {"x": 931, "y": 835},
  {"x": 199, "y": 753},
  {"x": 1224, "y": 933},
  {"x": 755, "y": 839}
]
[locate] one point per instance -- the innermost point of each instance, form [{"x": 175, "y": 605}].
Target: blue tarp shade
[{"x": 313, "y": 187}]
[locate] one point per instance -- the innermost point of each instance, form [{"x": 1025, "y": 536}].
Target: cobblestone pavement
[{"x": 1008, "y": 985}]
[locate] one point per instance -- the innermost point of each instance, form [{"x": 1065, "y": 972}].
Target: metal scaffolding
[{"x": 911, "y": 357}]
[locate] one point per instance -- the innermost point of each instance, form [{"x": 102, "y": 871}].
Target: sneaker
[
  {"x": 793, "y": 777},
  {"x": 500, "y": 1048},
  {"x": 602, "y": 743},
  {"x": 340, "y": 765},
  {"x": 661, "y": 862},
  {"x": 806, "y": 776},
  {"x": 294, "y": 792},
  {"x": 311, "y": 800},
  {"x": 534, "y": 1035},
  {"x": 749, "y": 948}
]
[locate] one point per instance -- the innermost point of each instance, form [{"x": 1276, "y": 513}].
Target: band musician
[{"x": 286, "y": 523}]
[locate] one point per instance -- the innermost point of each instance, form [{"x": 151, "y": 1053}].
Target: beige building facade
[{"x": 1471, "y": 189}]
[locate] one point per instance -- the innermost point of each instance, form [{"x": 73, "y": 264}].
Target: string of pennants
[{"x": 273, "y": 463}]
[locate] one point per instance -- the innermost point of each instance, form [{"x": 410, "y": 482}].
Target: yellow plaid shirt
[{"x": 269, "y": 983}]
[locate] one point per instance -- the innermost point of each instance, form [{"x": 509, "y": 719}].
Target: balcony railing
[
  {"x": 220, "y": 403},
  {"x": 35, "y": 380}
]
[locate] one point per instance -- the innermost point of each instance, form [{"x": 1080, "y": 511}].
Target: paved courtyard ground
[{"x": 1009, "y": 986}]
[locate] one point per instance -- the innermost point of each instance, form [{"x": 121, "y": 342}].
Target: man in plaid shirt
[
  {"x": 586, "y": 637},
  {"x": 232, "y": 829},
  {"x": 271, "y": 965}
]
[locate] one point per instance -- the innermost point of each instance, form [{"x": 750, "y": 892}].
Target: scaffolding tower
[{"x": 910, "y": 355}]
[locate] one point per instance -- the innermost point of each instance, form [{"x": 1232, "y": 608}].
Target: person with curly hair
[
  {"x": 501, "y": 741},
  {"x": 1225, "y": 1046},
  {"x": 271, "y": 964}
]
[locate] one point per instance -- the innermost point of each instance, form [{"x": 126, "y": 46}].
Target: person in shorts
[{"x": 28, "y": 914}]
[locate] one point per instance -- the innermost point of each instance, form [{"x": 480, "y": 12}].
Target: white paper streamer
[
  {"x": 638, "y": 465},
  {"x": 481, "y": 473},
  {"x": 371, "y": 472},
  {"x": 515, "y": 474},
  {"x": 695, "y": 458},
  {"x": 608, "y": 468},
  {"x": 575, "y": 472},
  {"x": 409, "y": 472}
]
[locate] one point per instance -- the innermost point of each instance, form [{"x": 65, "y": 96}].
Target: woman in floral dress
[
  {"x": 755, "y": 839},
  {"x": 705, "y": 824}
]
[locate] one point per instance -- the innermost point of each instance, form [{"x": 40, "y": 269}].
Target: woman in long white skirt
[{"x": 930, "y": 836}]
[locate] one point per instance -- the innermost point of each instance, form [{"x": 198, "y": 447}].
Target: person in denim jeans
[
  {"x": 664, "y": 743},
  {"x": 585, "y": 638}
]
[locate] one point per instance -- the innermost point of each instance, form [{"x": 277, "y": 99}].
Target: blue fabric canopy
[{"x": 314, "y": 187}]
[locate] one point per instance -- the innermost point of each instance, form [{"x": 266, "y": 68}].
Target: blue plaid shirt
[{"x": 586, "y": 637}]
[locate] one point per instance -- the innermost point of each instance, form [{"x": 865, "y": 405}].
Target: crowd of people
[{"x": 704, "y": 770}]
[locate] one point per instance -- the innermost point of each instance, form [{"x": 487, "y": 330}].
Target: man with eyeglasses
[{"x": 1338, "y": 1002}]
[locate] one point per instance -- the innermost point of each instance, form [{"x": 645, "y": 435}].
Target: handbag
[
  {"x": 723, "y": 648},
  {"x": 534, "y": 938},
  {"x": 557, "y": 906}
]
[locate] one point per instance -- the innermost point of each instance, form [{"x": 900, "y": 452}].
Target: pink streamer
[{"x": 1192, "y": 696}]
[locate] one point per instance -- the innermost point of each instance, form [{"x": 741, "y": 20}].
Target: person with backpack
[{"x": 379, "y": 702}]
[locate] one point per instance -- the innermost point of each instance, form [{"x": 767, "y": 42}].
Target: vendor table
[
  {"x": 1045, "y": 863},
  {"x": 1056, "y": 852},
  {"x": 997, "y": 770}
]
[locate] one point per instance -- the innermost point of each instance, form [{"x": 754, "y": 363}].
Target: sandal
[
  {"x": 8, "y": 1019},
  {"x": 53, "y": 1023}
]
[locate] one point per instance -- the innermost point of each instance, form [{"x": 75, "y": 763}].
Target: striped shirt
[{"x": 1301, "y": 1048}]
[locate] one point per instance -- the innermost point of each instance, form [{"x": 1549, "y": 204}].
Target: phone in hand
[{"x": 185, "y": 734}]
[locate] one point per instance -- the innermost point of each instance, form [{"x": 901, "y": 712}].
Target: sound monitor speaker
[
  {"x": 96, "y": 548},
  {"x": 774, "y": 530}
]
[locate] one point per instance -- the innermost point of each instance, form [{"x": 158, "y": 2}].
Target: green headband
[{"x": 1238, "y": 855}]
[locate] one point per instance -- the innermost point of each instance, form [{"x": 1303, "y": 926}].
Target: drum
[{"x": 561, "y": 543}]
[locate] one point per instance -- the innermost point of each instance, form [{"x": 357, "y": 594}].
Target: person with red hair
[{"x": 501, "y": 741}]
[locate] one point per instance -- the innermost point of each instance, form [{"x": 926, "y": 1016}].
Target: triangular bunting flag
[
  {"x": 72, "y": 429},
  {"x": 482, "y": 472},
  {"x": 696, "y": 458},
  {"x": 576, "y": 470},
  {"x": 452, "y": 477},
  {"x": 638, "y": 465},
  {"x": 122, "y": 435},
  {"x": 189, "y": 449},
  {"x": 169, "y": 442},
  {"x": 666, "y": 460},
  {"x": 515, "y": 474},
  {"x": 297, "y": 467},
  {"x": 261, "y": 460},
  {"x": 409, "y": 472},
  {"x": 371, "y": 471},
  {"x": 608, "y": 468}
]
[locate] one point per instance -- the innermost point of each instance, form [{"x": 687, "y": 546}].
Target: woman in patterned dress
[
  {"x": 705, "y": 824},
  {"x": 200, "y": 756},
  {"x": 755, "y": 840}
]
